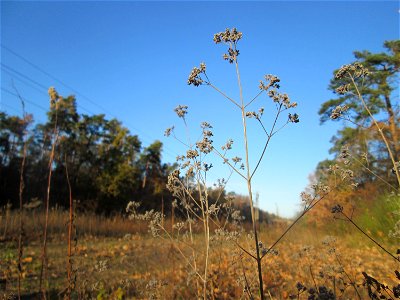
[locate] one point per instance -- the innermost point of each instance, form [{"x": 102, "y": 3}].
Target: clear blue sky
[{"x": 131, "y": 60}]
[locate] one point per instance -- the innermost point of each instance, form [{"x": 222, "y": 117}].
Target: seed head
[
  {"x": 294, "y": 118},
  {"x": 181, "y": 110},
  {"x": 337, "y": 209},
  {"x": 195, "y": 75},
  {"x": 338, "y": 111},
  {"x": 168, "y": 131}
]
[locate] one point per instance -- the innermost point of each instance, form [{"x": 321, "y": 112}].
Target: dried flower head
[
  {"x": 195, "y": 75},
  {"x": 229, "y": 37},
  {"x": 251, "y": 114},
  {"x": 131, "y": 208},
  {"x": 205, "y": 145},
  {"x": 306, "y": 198},
  {"x": 300, "y": 287},
  {"x": 343, "y": 89},
  {"x": 208, "y": 133},
  {"x": 355, "y": 70},
  {"x": 181, "y": 110},
  {"x": 337, "y": 209},
  {"x": 228, "y": 145},
  {"x": 320, "y": 188},
  {"x": 207, "y": 167},
  {"x": 236, "y": 159},
  {"x": 191, "y": 154},
  {"x": 272, "y": 86},
  {"x": 271, "y": 81},
  {"x": 294, "y": 118},
  {"x": 205, "y": 125},
  {"x": 346, "y": 174},
  {"x": 338, "y": 111},
  {"x": 168, "y": 131},
  {"x": 173, "y": 181},
  {"x": 344, "y": 152},
  {"x": 333, "y": 168}
]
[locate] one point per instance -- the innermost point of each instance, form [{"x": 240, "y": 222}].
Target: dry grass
[
  {"x": 87, "y": 224},
  {"x": 115, "y": 259}
]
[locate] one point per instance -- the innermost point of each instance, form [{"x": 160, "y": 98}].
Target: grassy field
[{"x": 115, "y": 258}]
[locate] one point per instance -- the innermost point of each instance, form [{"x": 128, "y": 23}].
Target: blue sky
[{"x": 131, "y": 60}]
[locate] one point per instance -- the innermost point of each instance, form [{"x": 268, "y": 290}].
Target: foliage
[
  {"x": 365, "y": 93},
  {"x": 368, "y": 142},
  {"x": 106, "y": 163}
]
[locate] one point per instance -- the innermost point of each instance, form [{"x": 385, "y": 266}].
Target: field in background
[{"x": 116, "y": 258}]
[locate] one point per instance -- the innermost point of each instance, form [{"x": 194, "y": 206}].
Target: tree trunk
[{"x": 393, "y": 128}]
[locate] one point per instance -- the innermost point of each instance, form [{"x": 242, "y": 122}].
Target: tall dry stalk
[
  {"x": 70, "y": 228},
  {"x": 54, "y": 98},
  {"x": 198, "y": 76},
  {"x": 21, "y": 218},
  {"x": 26, "y": 120},
  {"x": 248, "y": 174}
]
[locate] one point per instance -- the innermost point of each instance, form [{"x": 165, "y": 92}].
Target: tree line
[{"x": 98, "y": 159}]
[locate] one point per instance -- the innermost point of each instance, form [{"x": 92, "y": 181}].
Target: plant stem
[
  {"x": 368, "y": 236},
  {"x": 295, "y": 221},
  {"x": 223, "y": 94},
  {"x": 70, "y": 225},
  {"x": 43, "y": 267},
  {"x": 267, "y": 142},
  {"x": 248, "y": 179},
  {"x": 21, "y": 190}
]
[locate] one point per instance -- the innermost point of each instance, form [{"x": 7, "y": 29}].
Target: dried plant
[
  {"x": 27, "y": 120},
  {"x": 355, "y": 74},
  {"x": 71, "y": 272},
  {"x": 193, "y": 160},
  {"x": 54, "y": 100}
]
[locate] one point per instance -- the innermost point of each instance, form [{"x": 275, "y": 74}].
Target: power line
[
  {"x": 33, "y": 81},
  {"x": 27, "y": 101},
  {"x": 25, "y": 82},
  {"x": 75, "y": 91},
  {"x": 10, "y": 107},
  {"x": 54, "y": 78},
  {"x": 23, "y": 76}
]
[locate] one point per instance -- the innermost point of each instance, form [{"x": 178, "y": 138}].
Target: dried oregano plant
[{"x": 189, "y": 184}]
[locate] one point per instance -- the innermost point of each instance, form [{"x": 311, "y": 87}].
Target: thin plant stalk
[
  {"x": 192, "y": 247},
  {"x": 21, "y": 222},
  {"x": 21, "y": 190},
  {"x": 368, "y": 236},
  {"x": 305, "y": 211},
  {"x": 204, "y": 208},
  {"x": 352, "y": 282},
  {"x": 249, "y": 188},
  {"x": 43, "y": 267},
  {"x": 70, "y": 227}
]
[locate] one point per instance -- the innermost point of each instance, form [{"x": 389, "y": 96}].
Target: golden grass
[{"x": 110, "y": 264}]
